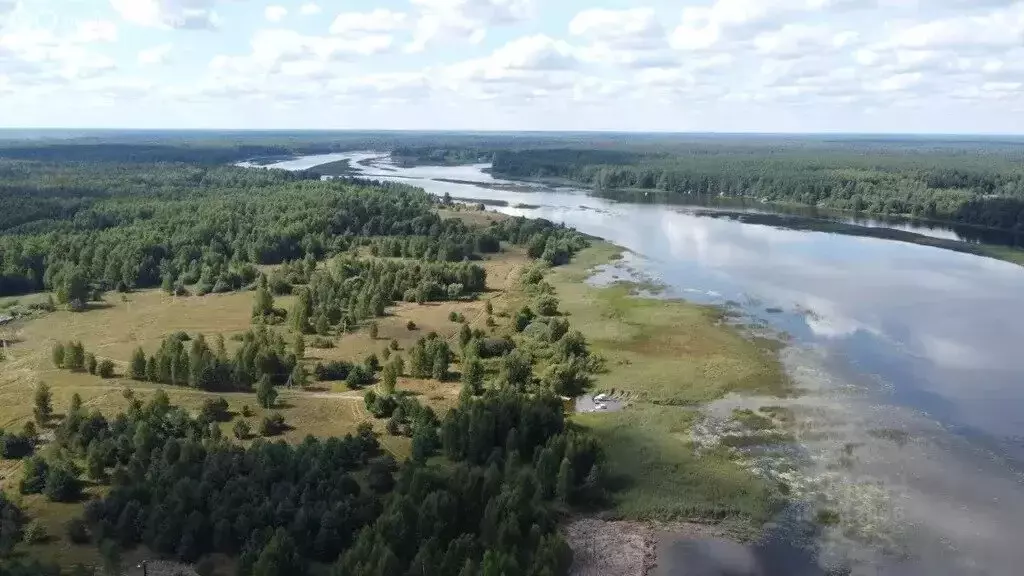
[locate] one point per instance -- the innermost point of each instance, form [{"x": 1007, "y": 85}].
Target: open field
[
  {"x": 668, "y": 357},
  {"x": 115, "y": 328}
]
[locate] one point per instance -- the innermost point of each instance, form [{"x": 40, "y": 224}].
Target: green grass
[
  {"x": 1014, "y": 255},
  {"x": 656, "y": 474},
  {"x": 665, "y": 351},
  {"x": 668, "y": 356}
]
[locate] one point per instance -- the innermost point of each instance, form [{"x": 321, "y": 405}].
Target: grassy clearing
[
  {"x": 115, "y": 328},
  {"x": 668, "y": 356}
]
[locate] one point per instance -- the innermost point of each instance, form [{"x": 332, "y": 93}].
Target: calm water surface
[{"x": 888, "y": 336}]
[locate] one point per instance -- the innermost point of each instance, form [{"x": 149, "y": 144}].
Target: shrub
[
  {"x": 272, "y": 425},
  {"x": 15, "y": 446},
  {"x": 76, "y": 531},
  {"x": 321, "y": 343},
  {"x": 547, "y": 306},
  {"x": 242, "y": 430},
  {"x": 410, "y": 325},
  {"x": 106, "y": 369},
  {"x": 334, "y": 370},
  {"x": 35, "y": 533}
]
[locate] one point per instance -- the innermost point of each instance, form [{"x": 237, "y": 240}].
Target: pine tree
[
  {"x": 473, "y": 376},
  {"x": 43, "y": 410},
  {"x": 323, "y": 325},
  {"x": 298, "y": 377},
  {"x": 263, "y": 304},
  {"x": 374, "y": 330},
  {"x": 389, "y": 378},
  {"x": 91, "y": 363},
  {"x": 300, "y": 312},
  {"x": 564, "y": 483},
  {"x": 266, "y": 394},
  {"x": 138, "y": 368},
  {"x": 242, "y": 429},
  {"x": 152, "y": 373},
  {"x": 58, "y": 354},
  {"x": 95, "y": 462}
]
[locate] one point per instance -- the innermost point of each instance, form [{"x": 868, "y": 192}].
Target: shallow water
[{"x": 892, "y": 340}]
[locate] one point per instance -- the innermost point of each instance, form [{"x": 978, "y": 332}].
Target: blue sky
[{"x": 930, "y": 66}]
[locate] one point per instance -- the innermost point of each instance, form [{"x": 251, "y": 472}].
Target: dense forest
[
  {"x": 82, "y": 228},
  {"x": 511, "y": 464},
  {"x": 984, "y": 190}
]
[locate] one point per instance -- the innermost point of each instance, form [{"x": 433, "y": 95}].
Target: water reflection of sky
[
  {"x": 940, "y": 329},
  {"x": 933, "y": 337}
]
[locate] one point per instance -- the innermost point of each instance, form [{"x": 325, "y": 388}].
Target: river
[{"x": 913, "y": 423}]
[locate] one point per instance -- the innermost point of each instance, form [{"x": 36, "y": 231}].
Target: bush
[
  {"x": 33, "y": 477},
  {"x": 453, "y": 316},
  {"x": 15, "y": 446},
  {"x": 493, "y": 347},
  {"x": 410, "y": 325},
  {"x": 321, "y": 343},
  {"x": 76, "y": 531},
  {"x": 35, "y": 533},
  {"x": 547, "y": 306},
  {"x": 106, "y": 369},
  {"x": 242, "y": 430},
  {"x": 334, "y": 370},
  {"x": 91, "y": 363},
  {"x": 272, "y": 425},
  {"x": 62, "y": 483},
  {"x": 215, "y": 410},
  {"x": 394, "y": 345},
  {"x": 246, "y": 411}
]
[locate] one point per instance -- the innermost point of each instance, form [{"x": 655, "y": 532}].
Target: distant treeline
[{"x": 978, "y": 185}]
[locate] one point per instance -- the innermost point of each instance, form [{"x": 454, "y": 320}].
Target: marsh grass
[{"x": 669, "y": 356}]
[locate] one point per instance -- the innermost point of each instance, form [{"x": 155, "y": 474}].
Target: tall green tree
[
  {"x": 43, "y": 410},
  {"x": 266, "y": 394}
]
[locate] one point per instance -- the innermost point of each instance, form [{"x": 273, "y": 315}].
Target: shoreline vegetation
[{"x": 669, "y": 357}]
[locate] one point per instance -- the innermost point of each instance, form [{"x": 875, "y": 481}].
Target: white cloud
[
  {"x": 1002, "y": 28},
  {"x": 526, "y": 68},
  {"x": 725, "y": 21},
  {"x": 310, "y": 9},
  {"x": 798, "y": 40},
  {"x": 96, "y": 31},
  {"x": 379, "y": 20},
  {"x": 632, "y": 38},
  {"x": 155, "y": 55},
  {"x": 464, "y": 20},
  {"x": 275, "y": 13},
  {"x": 180, "y": 14}
]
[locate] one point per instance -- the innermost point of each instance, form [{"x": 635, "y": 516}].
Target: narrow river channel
[{"x": 912, "y": 426}]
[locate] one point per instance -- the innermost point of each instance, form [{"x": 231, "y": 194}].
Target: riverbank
[
  {"x": 828, "y": 220},
  {"x": 668, "y": 357}
]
